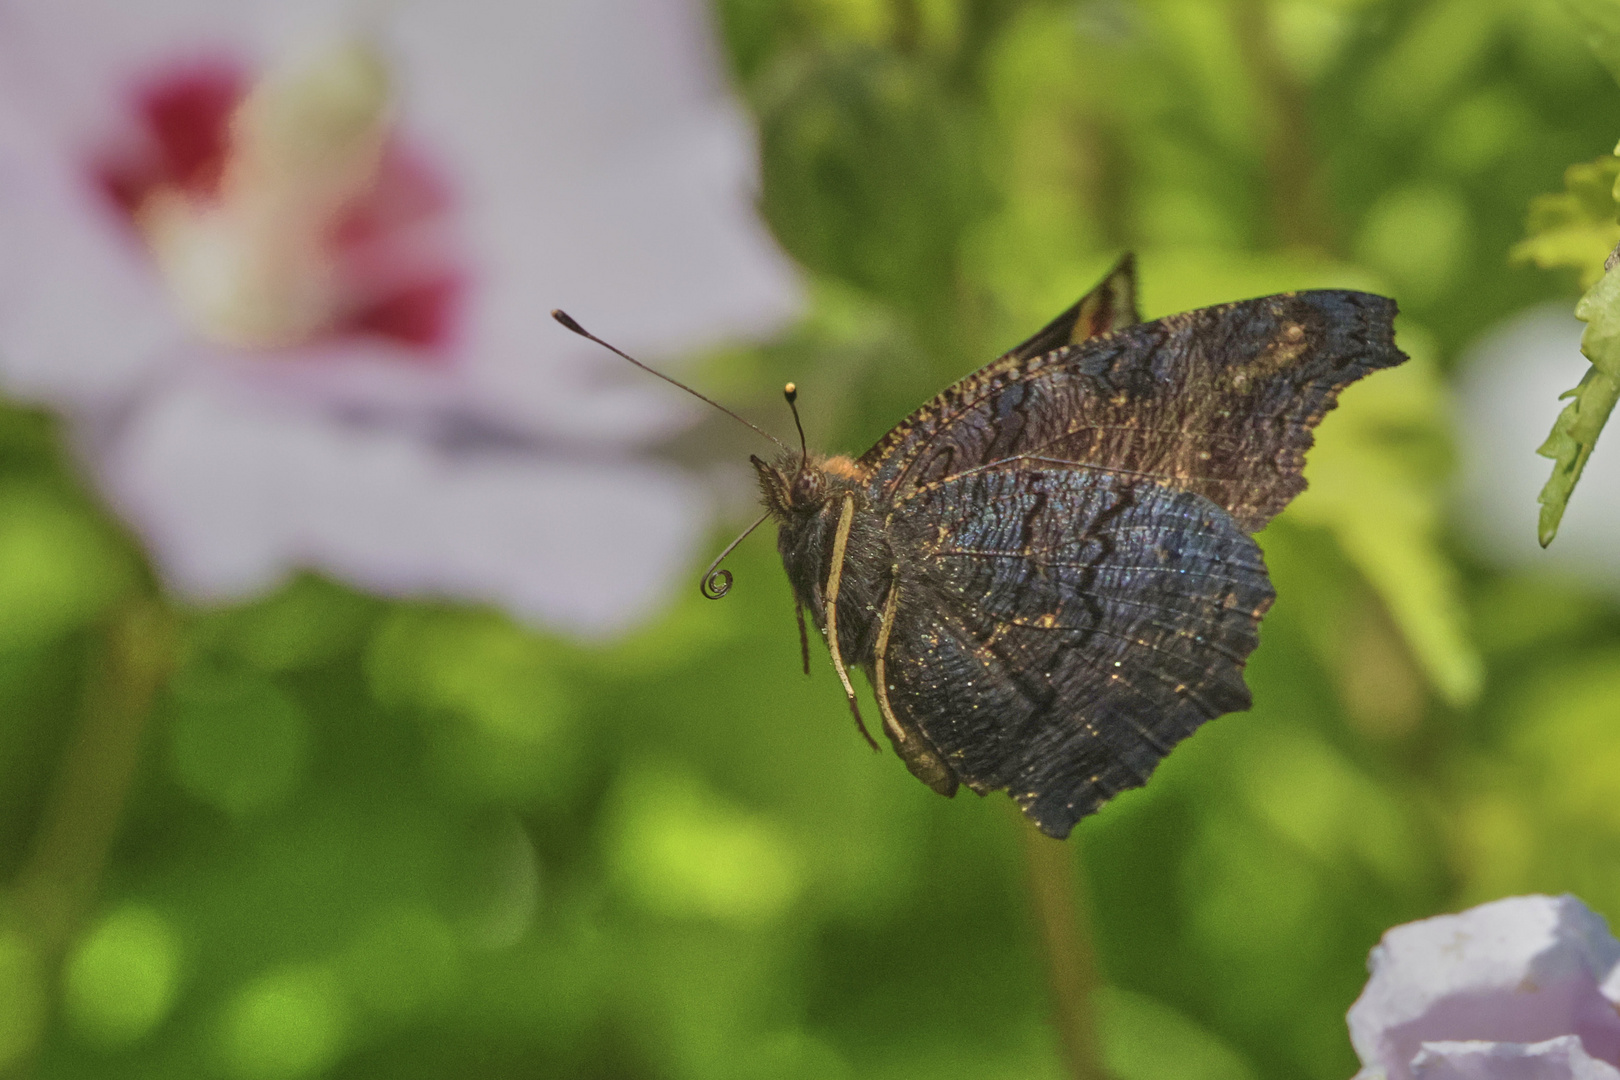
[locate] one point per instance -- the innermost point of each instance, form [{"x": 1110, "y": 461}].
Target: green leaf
[
  {"x": 1437, "y": 50},
  {"x": 1144, "y": 1039},
  {"x": 476, "y": 666},
  {"x": 1599, "y": 21},
  {"x": 502, "y": 718},
  {"x": 1576, "y": 430},
  {"x": 1576, "y": 227},
  {"x": 1310, "y": 793},
  {"x": 1376, "y": 476},
  {"x": 869, "y": 175},
  {"x": 1419, "y": 235},
  {"x": 23, "y": 992},
  {"x": 285, "y": 1025},
  {"x": 1538, "y": 801},
  {"x": 58, "y": 567},
  {"x": 237, "y": 741},
  {"x": 122, "y": 978},
  {"x": 405, "y": 964},
  {"x": 682, "y": 849},
  {"x": 308, "y": 621}
]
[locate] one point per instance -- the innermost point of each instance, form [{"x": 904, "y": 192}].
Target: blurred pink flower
[
  {"x": 1563, "y": 1058},
  {"x": 1517, "y": 989},
  {"x": 293, "y": 290}
]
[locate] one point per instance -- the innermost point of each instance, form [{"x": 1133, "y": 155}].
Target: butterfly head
[
  {"x": 798, "y": 485},
  {"x": 793, "y": 485}
]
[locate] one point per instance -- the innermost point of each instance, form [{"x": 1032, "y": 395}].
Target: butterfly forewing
[
  {"x": 1108, "y": 307},
  {"x": 1220, "y": 401}
]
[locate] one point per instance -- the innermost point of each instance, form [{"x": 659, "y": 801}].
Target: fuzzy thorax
[{"x": 800, "y": 484}]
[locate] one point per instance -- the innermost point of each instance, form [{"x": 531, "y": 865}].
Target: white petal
[
  {"x": 1524, "y": 969},
  {"x": 66, "y": 63},
  {"x": 1611, "y": 986},
  {"x": 1556, "y": 1059},
  {"x": 602, "y": 170},
  {"x": 82, "y": 317},
  {"x": 231, "y": 492},
  {"x": 1508, "y": 399}
]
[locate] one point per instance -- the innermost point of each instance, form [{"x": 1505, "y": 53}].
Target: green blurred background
[{"x": 383, "y": 839}]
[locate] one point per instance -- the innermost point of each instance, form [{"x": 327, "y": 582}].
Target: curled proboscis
[{"x": 717, "y": 582}]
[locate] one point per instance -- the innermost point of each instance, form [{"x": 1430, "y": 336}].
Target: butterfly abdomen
[{"x": 806, "y": 538}]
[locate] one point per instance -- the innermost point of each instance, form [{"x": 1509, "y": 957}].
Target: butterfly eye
[{"x": 808, "y": 489}]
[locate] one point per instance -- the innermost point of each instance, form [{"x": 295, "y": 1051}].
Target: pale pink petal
[
  {"x": 1563, "y": 1058},
  {"x": 1508, "y": 397},
  {"x": 63, "y": 62},
  {"x": 235, "y": 492},
  {"x": 604, "y": 171},
  {"x": 1611, "y": 987},
  {"x": 83, "y": 321},
  {"x": 1524, "y": 969},
  {"x": 367, "y": 377}
]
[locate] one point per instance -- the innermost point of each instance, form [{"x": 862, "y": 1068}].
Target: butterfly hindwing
[
  {"x": 1220, "y": 401},
  {"x": 1060, "y": 632}
]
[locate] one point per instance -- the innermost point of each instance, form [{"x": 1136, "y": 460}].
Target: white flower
[
  {"x": 1518, "y": 989},
  {"x": 1563, "y": 1058},
  {"x": 293, "y": 290}
]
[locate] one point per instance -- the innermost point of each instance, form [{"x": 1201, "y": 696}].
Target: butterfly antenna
[
  {"x": 791, "y": 392},
  {"x": 717, "y": 582},
  {"x": 568, "y": 321}
]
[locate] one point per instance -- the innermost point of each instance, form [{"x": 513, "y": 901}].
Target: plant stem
[
  {"x": 1290, "y": 163},
  {"x": 1060, "y": 919},
  {"x": 84, "y": 808}
]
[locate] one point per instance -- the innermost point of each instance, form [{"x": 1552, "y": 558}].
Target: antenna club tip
[
  {"x": 790, "y": 391},
  {"x": 568, "y": 320}
]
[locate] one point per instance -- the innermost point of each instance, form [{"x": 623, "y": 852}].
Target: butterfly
[{"x": 1047, "y": 572}]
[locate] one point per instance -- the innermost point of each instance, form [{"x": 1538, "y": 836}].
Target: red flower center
[{"x": 238, "y": 225}]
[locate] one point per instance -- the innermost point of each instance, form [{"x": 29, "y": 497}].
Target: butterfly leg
[
  {"x": 921, "y": 758},
  {"x": 846, "y": 518},
  {"x": 804, "y": 638}
]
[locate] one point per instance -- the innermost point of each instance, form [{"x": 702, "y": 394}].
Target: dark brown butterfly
[{"x": 1047, "y": 572}]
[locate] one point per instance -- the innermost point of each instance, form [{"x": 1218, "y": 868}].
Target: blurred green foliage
[
  {"x": 1576, "y": 228},
  {"x": 384, "y": 839},
  {"x": 1579, "y": 228}
]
